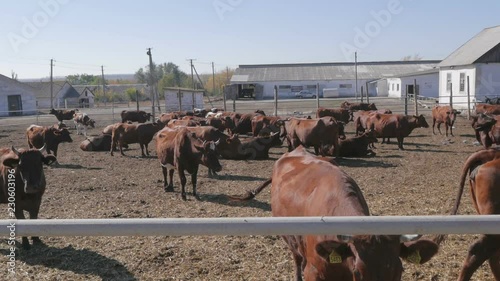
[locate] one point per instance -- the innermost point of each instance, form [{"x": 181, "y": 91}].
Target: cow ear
[
  {"x": 419, "y": 251},
  {"x": 49, "y": 159},
  {"x": 11, "y": 162},
  {"x": 333, "y": 251}
]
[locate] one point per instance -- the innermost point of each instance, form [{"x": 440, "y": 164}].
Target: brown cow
[
  {"x": 304, "y": 185},
  {"x": 166, "y": 117},
  {"x": 319, "y": 133},
  {"x": 124, "y": 133},
  {"x": 83, "y": 120},
  {"x": 183, "y": 123},
  {"x": 488, "y": 108},
  {"x": 62, "y": 114},
  {"x": 362, "y": 115},
  {"x": 395, "y": 126},
  {"x": 243, "y": 122},
  {"x": 341, "y": 114},
  {"x": 483, "y": 168},
  {"x": 358, "y": 106},
  {"x": 357, "y": 146},
  {"x": 135, "y": 116},
  {"x": 22, "y": 178},
  {"x": 257, "y": 148},
  {"x": 181, "y": 149},
  {"x": 487, "y": 129},
  {"x": 98, "y": 143},
  {"x": 266, "y": 124},
  {"x": 444, "y": 114},
  {"x": 49, "y": 137}
]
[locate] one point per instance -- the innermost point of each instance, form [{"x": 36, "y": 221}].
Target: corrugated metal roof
[
  {"x": 328, "y": 71},
  {"x": 473, "y": 49}
]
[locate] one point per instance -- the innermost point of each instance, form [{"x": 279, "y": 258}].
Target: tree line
[{"x": 164, "y": 75}]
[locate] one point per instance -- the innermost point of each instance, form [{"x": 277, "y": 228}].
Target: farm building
[
  {"x": 86, "y": 99},
  {"x": 427, "y": 84},
  {"x": 64, "y": 95},
  {"x": 476, "y": 62},
  {"x": 258, "y": 81},
  {"x": 16, "y": 98},
  {"x": 182, "y": 99}
]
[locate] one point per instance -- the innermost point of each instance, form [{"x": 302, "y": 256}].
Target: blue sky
[{"x": 82, "y": 35}]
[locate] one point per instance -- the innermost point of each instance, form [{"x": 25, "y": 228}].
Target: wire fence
[{"x": 108, "y": 113}]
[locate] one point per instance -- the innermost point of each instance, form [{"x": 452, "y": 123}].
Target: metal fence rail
[{"x": 470, "y": 224}]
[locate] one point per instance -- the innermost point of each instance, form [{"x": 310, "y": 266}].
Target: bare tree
[{"x": 412, "y": 58}]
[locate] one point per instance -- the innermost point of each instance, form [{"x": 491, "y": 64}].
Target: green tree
[
  {"x": 84, "y": 79},
  {"x": 132, "y": 96}
]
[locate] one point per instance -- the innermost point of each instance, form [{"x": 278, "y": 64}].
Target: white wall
[
  {"x": 487, "y": 81},
  {"x": 189, "y": 100},
  {"x": 428, "y": 85},
  {"x": 268, "y": 87},
  {"x": 394, "y": 87},
  {"x": 459, "y": 97},
  {"x": 12, "y": 88}
]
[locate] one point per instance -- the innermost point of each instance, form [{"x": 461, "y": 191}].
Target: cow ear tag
[
  {"x": 335, "y": 257},
  {"x": 414, "y": 257}
]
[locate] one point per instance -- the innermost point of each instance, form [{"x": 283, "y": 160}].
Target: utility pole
[
  {"x": 151, "y": 81},
  {"x": 213, "y": 78},
  {"x": 51, "y": 84},
  {"x": 356, "y": 73},
  {"x": 192, "y": 74}
]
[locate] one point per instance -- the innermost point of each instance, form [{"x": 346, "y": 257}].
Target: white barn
[
  {"x": 427, "y": 84},
  {"x": 478, "y": 62},
  {"x": 183, "y": 99},
  {"x": 16, "y": 98},
  {"x": 337, "y": 77}
]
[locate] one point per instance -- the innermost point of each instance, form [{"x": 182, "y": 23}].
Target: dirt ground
[{"x": 422, "y": 180}]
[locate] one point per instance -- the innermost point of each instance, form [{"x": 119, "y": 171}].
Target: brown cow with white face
[
  {"x": 180, "y": 149},
  {"x": 444, "y": 114},
  {"x": 22, "y": 178},
  {"x": 50, "y": 137},
  {"x": 483, "y": 168},
  {"x": 305, "y": 185}
]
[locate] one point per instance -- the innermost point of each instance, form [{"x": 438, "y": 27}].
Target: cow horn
[
  {"x": 345, "y": 238},
  {"x": 42, "y": 149},
  {"x": 217, "y": 142},
  {"x": 15, "y": 150},
  {"x": 205, "y": 141},
  {"x": 409, "y": 237}
]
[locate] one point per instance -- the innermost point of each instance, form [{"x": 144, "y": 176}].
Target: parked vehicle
[{"x": 305, "y": 94}]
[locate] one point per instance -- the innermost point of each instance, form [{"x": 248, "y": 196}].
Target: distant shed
[{"x": 183, "y": 99}]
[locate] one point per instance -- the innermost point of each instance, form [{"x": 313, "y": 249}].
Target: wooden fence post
[
  {"x": 468, "y": 99},
  {"x": 415, "y": 95},
  {"x": 275, "y": 100}
]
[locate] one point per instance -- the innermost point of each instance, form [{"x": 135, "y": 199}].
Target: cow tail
[
  {"x": 250, "y": 194},
  {"x": 469, "y": 164}
]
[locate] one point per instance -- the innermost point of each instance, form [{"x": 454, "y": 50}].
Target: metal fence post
[
  {"x": 451, "y": 95},
  {"x": 362, "y": 93},
  {"x": 406, "y": 100},
  {"x": 415, "y": 95},
  {"x": 317, "y": 96},
  {"x": 367, "y": 93},
  {"x": 275, "y": 100},
  {"x": 468, "y": 99}
]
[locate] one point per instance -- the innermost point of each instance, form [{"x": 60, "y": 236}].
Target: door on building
[{"x": 15, "y": 105}]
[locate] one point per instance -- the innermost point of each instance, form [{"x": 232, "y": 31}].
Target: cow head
[
  {"x": 376, "y": 257},
  {"x": 91, "y": 123},
  {"x": 483, "y": 122},
  {"x": 370, "y": 136},
  {"x": 260, "y": 111},
  {"x": 62, "y": 135},
  {"x": 341, "y": 126},
  {"x": 210, "y": 157},
  {"x": 148, "y": 116},
  {"x": 420, "y": 121},
  {"x": 52, "y": 111},
  {"x": 372, "y": 106},
  {"x": 28, "y": 165}
]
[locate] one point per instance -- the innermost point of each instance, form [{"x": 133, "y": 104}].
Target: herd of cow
[{"x": 303, "y": 184}]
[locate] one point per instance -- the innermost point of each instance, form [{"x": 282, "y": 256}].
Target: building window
[
  {"x": 285, "y": 87},
  {"x": 392, "y": 86},
  {"x": 345, "y": 86},
  {"x": 448, "y": 82},
  {"x": 397, "y": 87},
  {"x": 297, "y": 88},
  {"x": 462, "y": 82}
]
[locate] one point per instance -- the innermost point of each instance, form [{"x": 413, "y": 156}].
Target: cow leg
[
  {"x": 451, "y": 130},
  {"x": 170, "y": 186},
  {"x": 33, "y": 216},
  {"x": 433, "y": 124},
  {"x": 494, "y": 262},
  {"x": 194, "y": 180},
  {"x": 120, "y": 144},
  {"x": 439, "y": 128},
  {"x": 20, "y": 216},
  {"x": 400, "y": 142},
  {"x": 479, "y": 252},
  {"x": 142, "y": 149},
  {"x": 146, "y": 147},
  {"x": 182, "y": 176}
]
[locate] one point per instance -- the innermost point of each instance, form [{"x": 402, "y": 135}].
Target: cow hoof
[
  {"x": 36, "y": 241},
  {"x": 183, "y": 196},
  {"x": 169, "y": 188},
  {"x": 197, "y": 197}
]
